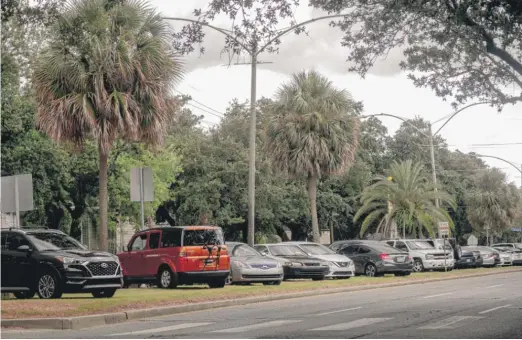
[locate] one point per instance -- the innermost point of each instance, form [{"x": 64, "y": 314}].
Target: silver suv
[{"x": 424, "y": 255}]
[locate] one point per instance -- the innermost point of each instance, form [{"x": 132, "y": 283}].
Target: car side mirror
[
  {"x": 24, "y": 248},
  {"x": 264, "y": 253}
]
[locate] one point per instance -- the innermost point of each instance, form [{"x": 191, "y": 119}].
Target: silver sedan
[{"x": 247, "y": 265}]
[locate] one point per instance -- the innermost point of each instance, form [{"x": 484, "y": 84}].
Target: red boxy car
[{"x": 170, "y": 256}]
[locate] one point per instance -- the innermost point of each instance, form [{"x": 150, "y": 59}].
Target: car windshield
[
  {"x": 52, "y": 241},
  {"x": 245, "y": 250},
  {"x": 316, "y": 249},
  {"x": 202, "y": 237},
  {"x": 418, "y": 245},
  {"x": 286, "y": 250}
]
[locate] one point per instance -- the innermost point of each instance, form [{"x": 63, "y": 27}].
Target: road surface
[{"x": 481, "y": 307}]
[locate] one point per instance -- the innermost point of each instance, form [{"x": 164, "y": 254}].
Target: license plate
[
  {"x": 400, "y": 258},
  {"x": 468, "y": 260}
]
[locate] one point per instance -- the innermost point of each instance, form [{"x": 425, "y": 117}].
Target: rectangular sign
[
  {"x": 443, "y": 229},
  {"x": 10, "y": 194},
  {"x": 135, "y": 185}
]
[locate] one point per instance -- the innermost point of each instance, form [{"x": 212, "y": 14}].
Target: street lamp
[
  {"x": 254, "y": 51},
  {"x": 505, "y": 161}
]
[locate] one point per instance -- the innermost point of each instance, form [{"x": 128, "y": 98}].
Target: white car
[
  {"x": 341, "y": 266},
  {"x": 424, "y": 255}
]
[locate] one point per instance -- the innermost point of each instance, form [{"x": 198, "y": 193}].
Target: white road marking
[
  {"x": 436, "y": 295},
  {"x": 451, "y": 322},
  {"x": 165, "y": 329},
  {"x": 340, "y": 311},
  {"x": 256, "y": 326},
  {"x": 493, "y": 309},
  {"x": 494, "y": 286},
  {"x": 352, "y": 324}
]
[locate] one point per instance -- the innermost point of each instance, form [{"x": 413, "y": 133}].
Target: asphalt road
[{"x": 483, "y": 307}]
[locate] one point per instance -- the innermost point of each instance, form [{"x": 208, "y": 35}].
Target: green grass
[{"x": 125, "y": 299}]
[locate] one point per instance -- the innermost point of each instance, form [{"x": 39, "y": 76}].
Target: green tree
[
  {"x": 463, "y": 50},
  {"x": 312, "y": 132},
  {"x": 407, "y": 198},
  {"x": 493, "y": 204},
  {"x": 107, "y": 73}
]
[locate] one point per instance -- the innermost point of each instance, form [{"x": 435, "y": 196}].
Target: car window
[
  {"x": 4, "y": 241},
  {"x": 401, "y": 245},
  {"x": 261, "y": 249},
  {"x": 139, "y": 242},
  {"x": 201, "y": 237},
  {"x": 316, "y": 249},
  {"x": 287, "y": 250},
  {"x": 336, "y": 246},
  {"x": 364, "y": 250},
  {"x": 16, "y": 240},
  {"x": 244, "y": 250},
  {"x": 348, "y": 250},
  {"x": 390, "y": 243},
  {"x": 53, "y": 241},
  {"x": 419, "y": 245},
  {"x": 171, "y": 238},
  {"x": 154, "y": 239}
]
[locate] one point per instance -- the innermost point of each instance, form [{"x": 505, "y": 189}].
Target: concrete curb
[{"x": 78, "y": 322}]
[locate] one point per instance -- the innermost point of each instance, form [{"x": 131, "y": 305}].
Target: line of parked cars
[{"x": 50, "y": 263}]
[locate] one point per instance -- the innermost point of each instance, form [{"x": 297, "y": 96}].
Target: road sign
[
  {"x": 141, "y": 189},
  {"x": 17, "y": 194},
  {"x": 443, "y": 229},
  {"x": 518, "y": 230}
]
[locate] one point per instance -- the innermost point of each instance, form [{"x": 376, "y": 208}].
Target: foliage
[
  {"x": 406, "y": 197},
  {"x": 312, "y": 132},
  {"x": 464, "y": 49}
]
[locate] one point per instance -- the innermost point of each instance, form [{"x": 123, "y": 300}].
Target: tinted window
[
  {"x": 384, "y": 248},
  {"x": 171, "y": 238},
  {"x": 244, "y": 250},
  {"x": 139, "y": 242},
  {"x": 400, "y": 245},
  {"x": 154, "y": 239},
  {"x": 390, "y": 243},
  {"x": 349, "y": 250},
  {"x": 16, "y": 240},
  {"x": 201, "y": 237},
  {"x": 364, "y": 250},
  {"x": 52, "y": 241}
]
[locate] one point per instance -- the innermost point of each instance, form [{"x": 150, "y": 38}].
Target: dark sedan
[
  {"x": 469, "y": 259},
  {"x": 296, "y": 263},
  {"x": 374, "y": 258}
]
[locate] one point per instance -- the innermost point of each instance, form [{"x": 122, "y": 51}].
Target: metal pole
[
  {"x": 487, "y": 236},
  {"x": 444, "y": 249},
  {"x": 331, "y": 231},
  {"x": 17, "y": 203},
  {"x": 252, "y": 152},
  {"x": 433, "y": 172},
  {"x": 142, "y": 198}
]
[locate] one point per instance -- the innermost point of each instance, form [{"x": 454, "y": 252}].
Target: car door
[
  {"x": 402, "y": 246},
  {"x": 351, "y": 251},
  {"x": 363, "y": 256},
  {"x": 134, "y": 262},
  {"x": 19, "y": 263},
  {"x": 152, "y": 253},
  {"x": 6, "y": 262}
]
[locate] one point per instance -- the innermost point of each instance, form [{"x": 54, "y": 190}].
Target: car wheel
[
  {"x": 370, "y": 270},
  {"x": 418, "y": 266},
  {"x": 25, "y": 295},
  {"x": 104, "y": 293},
  {"x": 217, "y": 283},
  {"x": 228, "y": 280},
  {"x": 48, "y": 286},
  {"x": 166, "y": 279}
]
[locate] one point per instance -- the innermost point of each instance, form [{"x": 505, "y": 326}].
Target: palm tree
[
  {"x": 312, "y": 131},
  {"x": 493, "y": 205},
  {"x": 106, "y": 74},
  {"x": 407, "y": 198}
]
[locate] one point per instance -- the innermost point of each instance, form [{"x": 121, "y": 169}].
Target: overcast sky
[{"x": 385, "y": 89}]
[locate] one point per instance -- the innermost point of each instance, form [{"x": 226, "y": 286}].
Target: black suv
[{"x": 50, "y": 263}]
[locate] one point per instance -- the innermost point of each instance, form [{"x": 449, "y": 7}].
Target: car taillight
[
  {"x": 385, "y": 257},
  {"x": 409, "y": 258}
]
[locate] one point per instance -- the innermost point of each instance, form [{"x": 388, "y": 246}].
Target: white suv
[{"x": 424, "y": 255}]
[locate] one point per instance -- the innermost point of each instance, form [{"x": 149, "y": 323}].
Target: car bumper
[
  {"x": 76, "y": 284},
  {"x": 435, "y": 264},
  {"x": 305, "y": 272},
  {"x": 517, "y": 262},
  {"x": 465, "y": 263},
  {"x": 257, "y": 275},
  {"x": 490, "y": 262},
  {"x": 202, "y": 276},
  {"x": 389, "y": 267},
  {"x": 336, "y": 271}
]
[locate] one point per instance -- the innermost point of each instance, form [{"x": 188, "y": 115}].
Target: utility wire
[{"x": 205, "y": 106}]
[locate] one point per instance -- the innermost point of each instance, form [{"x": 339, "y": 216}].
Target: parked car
[
  {"x": 374, "y": 258},
  {"x": 296, "y": 263},
  {"x": 509, "y": 256},
  {"x": 247, "y": 265},
  {"x": 490, "y": 257},
  {"x": 508, "y": 245},
  {"x": 50, "y": 263},
  {"x": 341, "y": 267},
  {"x": 451, "y": 245},
  {"x": 424, "y": 255},
  {"x": 171, "y": 256},
  {"x": 469, "y": 259}
]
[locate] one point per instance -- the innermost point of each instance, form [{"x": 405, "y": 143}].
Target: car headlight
[
  {"x": 67, "y": 260},
  {"x": 429, "y": 256},
  {"x": 241, "y": 264},
  {"x": 294, "y": 264}
]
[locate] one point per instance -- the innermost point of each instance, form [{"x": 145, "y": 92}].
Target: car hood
[
  {"x": 304, "y": 259},
  {"x": 255, "y": 260},
  {"x": 333, "y": 258},
  {"x": 86, "y": 255}
]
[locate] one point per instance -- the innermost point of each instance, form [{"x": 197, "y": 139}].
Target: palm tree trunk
[
  {"x": 103, "y": 201},
  {"x": 312, "y": 196}
]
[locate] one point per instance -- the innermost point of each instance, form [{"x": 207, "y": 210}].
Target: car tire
[
  {"x": 272, "y": 283},
  {"x": 28, "y": 294},
  {"x": 418, "y": 266},
  {"x": 48, "y": 286},
  {"x": 321, "y": 278},
  {"x": 104, "y": 293},
  {"x": 217, "y": 283},
  {"x": 166, "y": 278},
  {"x": 370, "y": 270}
]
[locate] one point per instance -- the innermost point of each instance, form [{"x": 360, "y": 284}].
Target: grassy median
[{"x": 125, "y": 299}]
